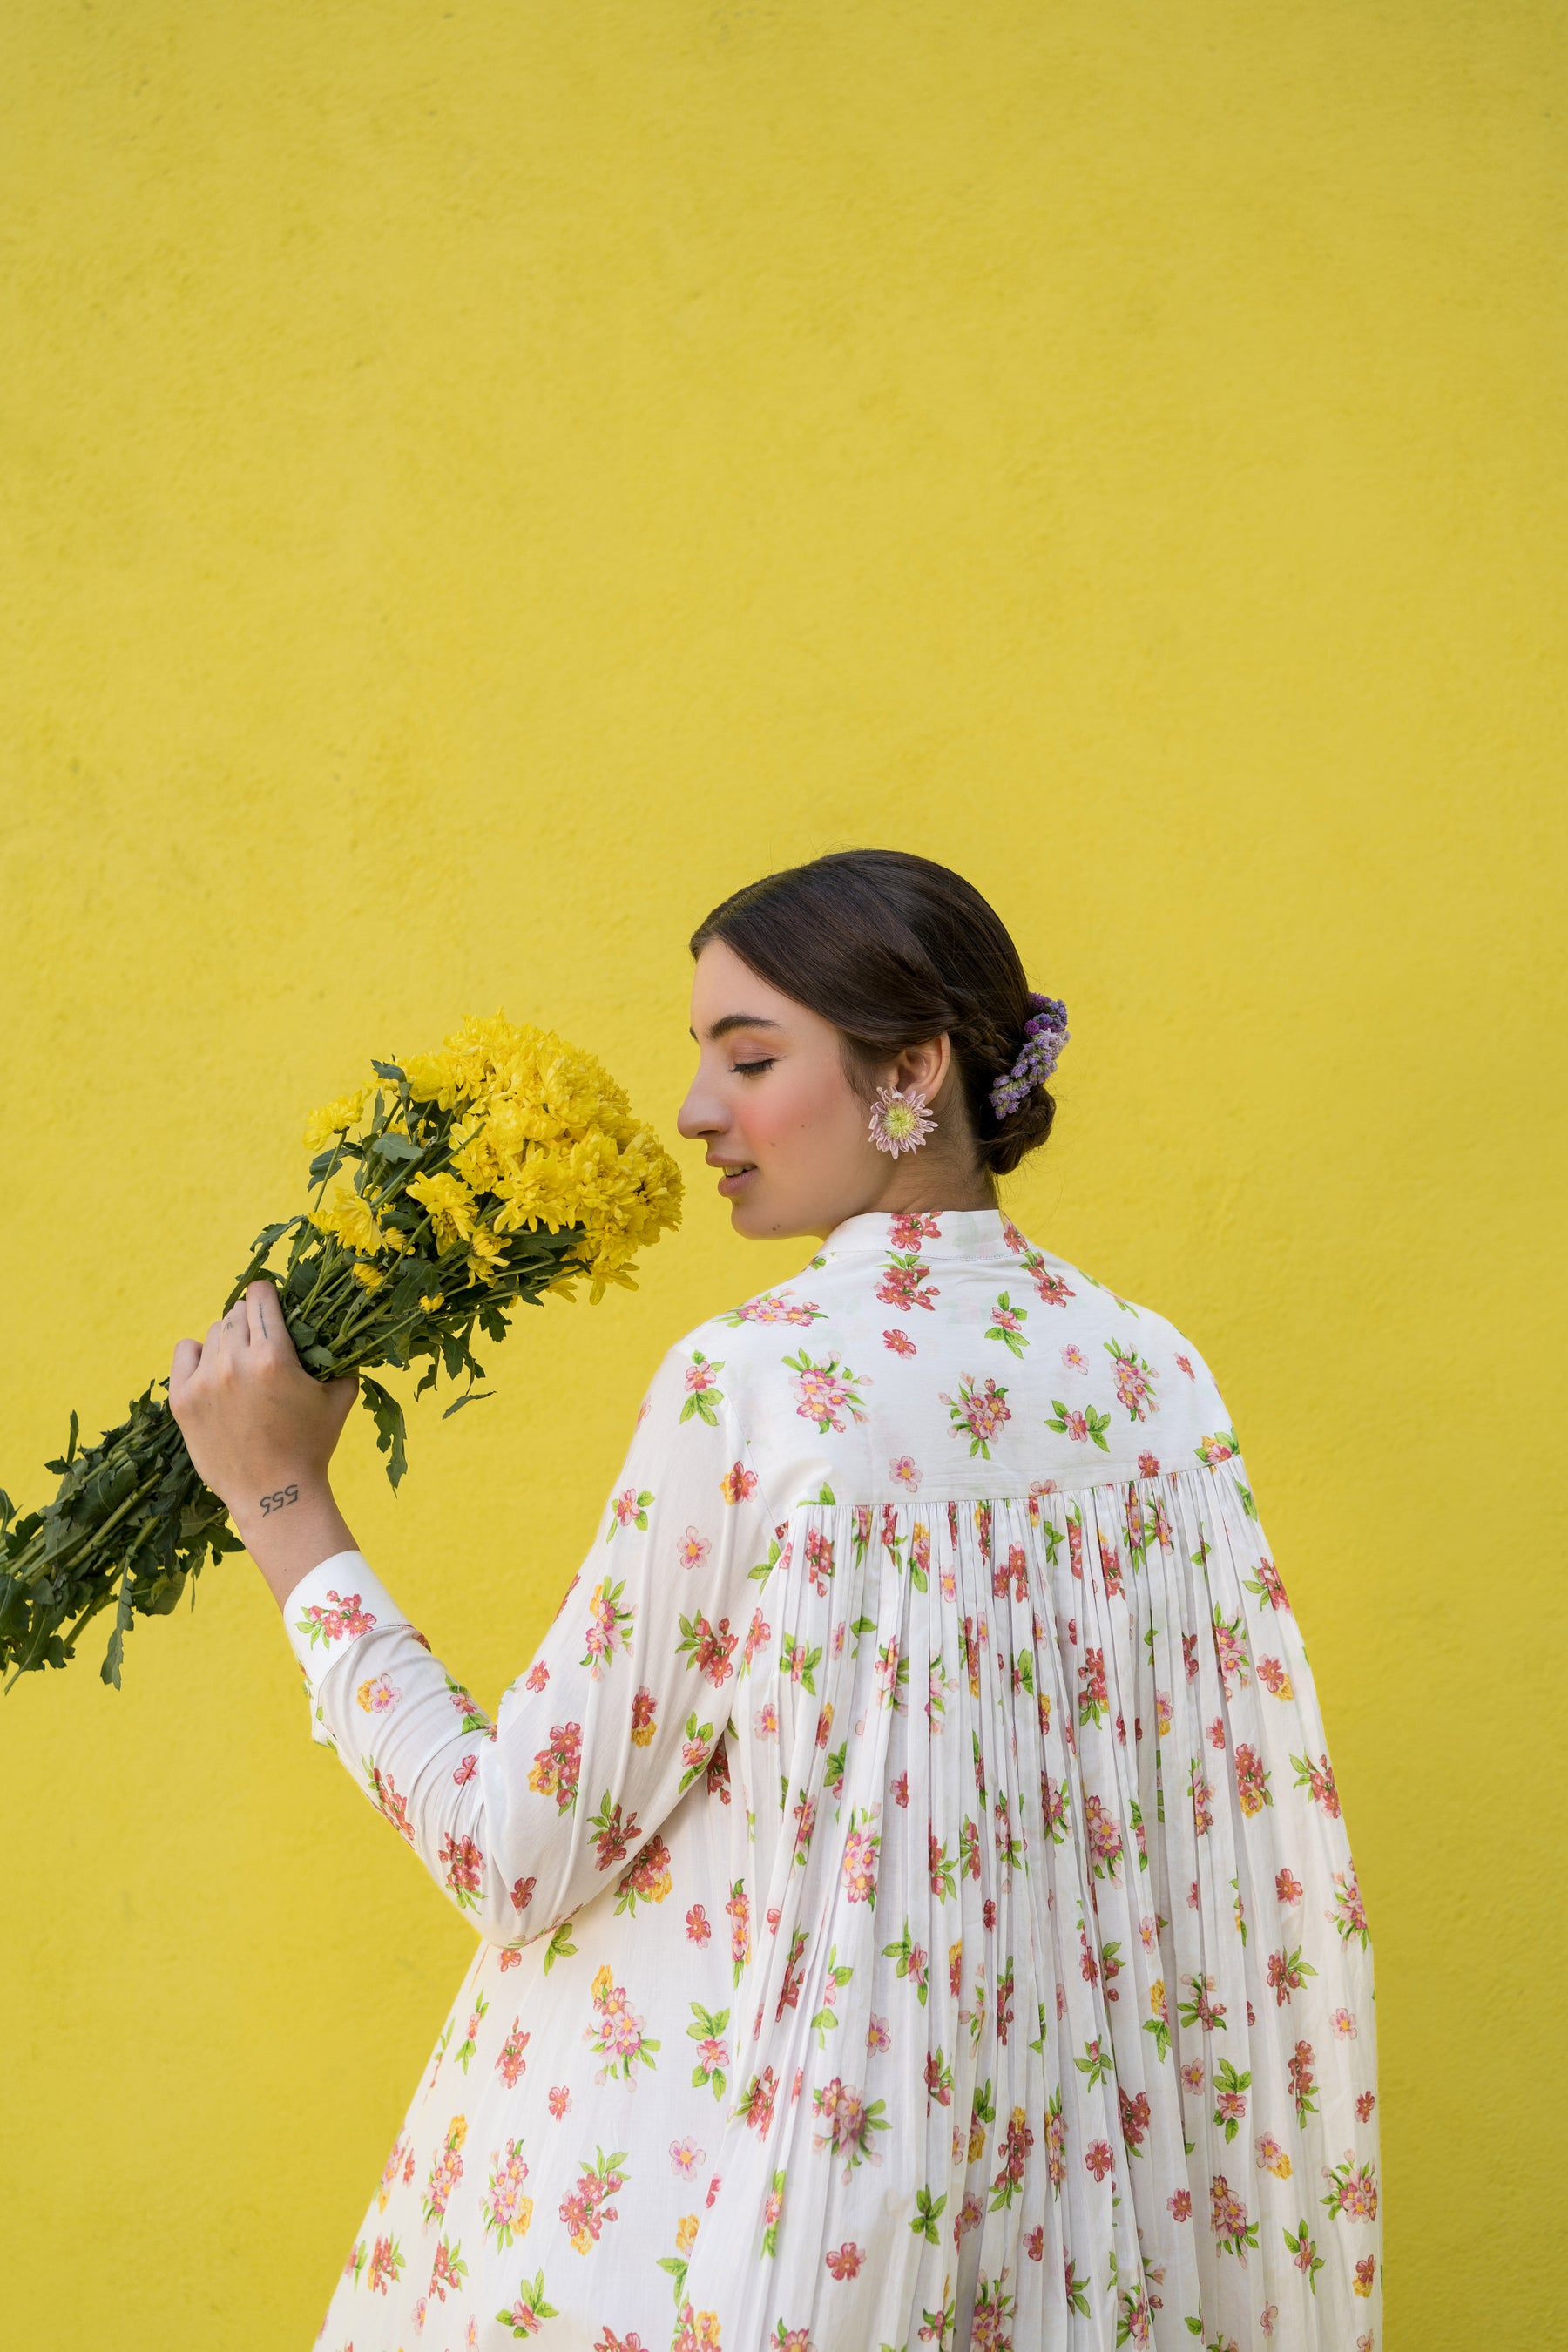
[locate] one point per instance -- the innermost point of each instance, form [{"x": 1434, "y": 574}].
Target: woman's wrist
[{"x": 290, "y": 1530}]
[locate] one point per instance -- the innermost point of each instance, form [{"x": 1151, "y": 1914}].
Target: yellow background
[{"x": 482, "y": 481}]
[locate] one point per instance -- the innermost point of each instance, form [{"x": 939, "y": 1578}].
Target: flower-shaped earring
[{"x": 899, "y": 1120}]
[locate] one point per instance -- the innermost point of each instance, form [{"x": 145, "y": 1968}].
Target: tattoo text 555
[{"x": 280, "y": 1500}]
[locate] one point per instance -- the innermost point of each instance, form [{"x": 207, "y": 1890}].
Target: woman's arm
[{"x": 523, "y": 1820}]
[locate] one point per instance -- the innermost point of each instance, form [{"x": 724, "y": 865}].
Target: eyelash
[{"x": 750, "y": 1069}]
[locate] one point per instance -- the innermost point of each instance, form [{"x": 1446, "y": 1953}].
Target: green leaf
[
  {"x": 677, "y": 2267},
  {"x": 390, "y": 1429},
  {"x": 469, "y": 1396},
  {"x": 561, "y": 1947},
  {"x": 109, "y": 1670},
  {"x": 393, "y": 1145},
  {"x": 390, "y": 1070},
  {"x": 259, "y": 1256}
]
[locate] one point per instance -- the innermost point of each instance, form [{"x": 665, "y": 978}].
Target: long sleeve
[{"x": 521, "y": 1820}]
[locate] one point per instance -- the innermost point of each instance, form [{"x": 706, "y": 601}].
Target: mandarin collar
[{"x": 976, "y": 1234}]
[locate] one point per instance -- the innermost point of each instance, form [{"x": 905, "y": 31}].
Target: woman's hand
[{"x": 261, "y": 1432}]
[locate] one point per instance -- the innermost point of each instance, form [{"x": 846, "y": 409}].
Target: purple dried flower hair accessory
[{"x": 1045, "y": 1034}]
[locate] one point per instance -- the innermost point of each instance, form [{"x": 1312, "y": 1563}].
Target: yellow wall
[{"x": 481, "y": 481}]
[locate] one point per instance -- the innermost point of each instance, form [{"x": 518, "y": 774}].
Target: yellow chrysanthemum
[
  {"x": 486, "y": 1252},
  {"x": 336, "y": 1118},
  {"x": 371, "y": 1276},
  {"x": 453, "y": 1210},
  {"x": 548, "y": 1132},
  {"x": 545, "y": 1138},
  {"x": 351, "y": 1220}
]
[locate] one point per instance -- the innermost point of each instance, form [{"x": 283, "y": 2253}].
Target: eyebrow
[{"x": 736, "y": 1020}]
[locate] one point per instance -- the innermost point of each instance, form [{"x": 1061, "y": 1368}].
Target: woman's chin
[
  {"x": 761, "y": 1221},
  {"x": 756, "y": 1218}
]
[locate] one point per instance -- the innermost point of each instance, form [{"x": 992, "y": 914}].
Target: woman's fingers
[
  {"x": 264, "y": 1316},
  {"x": 219, "y": 1355},
  {"x": 342, "y": 1394},
  {"x": 187, "y": 1357}
]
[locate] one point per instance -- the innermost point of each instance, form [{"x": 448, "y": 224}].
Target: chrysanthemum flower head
[{"x": 899, "y": 1121}]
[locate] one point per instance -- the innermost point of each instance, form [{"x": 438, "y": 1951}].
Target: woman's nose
[{"x": 698, "y": 1115}]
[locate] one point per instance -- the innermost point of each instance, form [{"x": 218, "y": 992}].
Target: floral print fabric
[{"x": 914, "y": 1905}]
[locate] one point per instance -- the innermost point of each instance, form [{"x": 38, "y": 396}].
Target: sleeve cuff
[{"x": 331, "y": 1607}]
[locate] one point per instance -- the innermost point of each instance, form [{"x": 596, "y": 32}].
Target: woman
[{"x": 913, "y": 1900}]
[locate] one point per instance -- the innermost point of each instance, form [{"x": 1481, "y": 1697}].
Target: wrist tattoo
[{"x": 280, "y": 1500}]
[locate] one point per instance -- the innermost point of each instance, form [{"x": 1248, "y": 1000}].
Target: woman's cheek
[{"x": 794, "y": 1110}]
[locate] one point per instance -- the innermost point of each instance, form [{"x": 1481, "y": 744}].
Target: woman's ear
[{"x": 923, "y": 1068}]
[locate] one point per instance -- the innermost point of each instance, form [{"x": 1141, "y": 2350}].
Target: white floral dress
[{"x": 912, "y": 1898}]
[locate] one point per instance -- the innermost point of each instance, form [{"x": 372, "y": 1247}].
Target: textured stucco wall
[{"x": 482, "y": 480}]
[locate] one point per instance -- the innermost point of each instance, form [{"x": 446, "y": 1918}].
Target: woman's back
[{"x": 1064, "y": 1961}]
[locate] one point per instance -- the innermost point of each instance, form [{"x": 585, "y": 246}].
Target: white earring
[{"x": 899, "y": 1120}]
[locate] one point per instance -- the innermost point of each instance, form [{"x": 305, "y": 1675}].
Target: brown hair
[{"x": 895, "y": 949}]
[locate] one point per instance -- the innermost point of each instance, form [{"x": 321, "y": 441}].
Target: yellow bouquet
[{"x": 450, "y": 1188}]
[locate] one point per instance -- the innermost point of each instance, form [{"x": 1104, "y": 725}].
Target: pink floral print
[
  {"x": 775, "y": 1306},
  {"x": 978, "y": 1412},
  {"x": 385, "y": 2264},
  {"x": 847, "y": 2123},
  {"x": 609, "y": 1626},
  {"x": 446, "y": 2170},
  {"x": 512, "y": 2063},
  {"x": 627, "y": 1509},
  {"x": 337, "y": 1619},
  {"x": 556, "y": 1767},
  {"x": 586, "y": 2209},
  {"x": 827, "y": 1393},
  {"x": 507, "y": 2211},
  {"x": 616, "y": 2034}
]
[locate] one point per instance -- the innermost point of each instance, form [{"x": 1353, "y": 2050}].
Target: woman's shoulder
[
  {"x": 744, "y": 1341},
  {"x": 1141, "y": 1365},
  {"x": 755, "y": 1330}
]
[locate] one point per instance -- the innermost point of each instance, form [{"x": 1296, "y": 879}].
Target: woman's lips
[{"x": 733, "y": 1181}]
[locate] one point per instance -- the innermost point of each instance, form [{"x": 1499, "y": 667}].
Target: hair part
[{"x": 894, "y": 951}]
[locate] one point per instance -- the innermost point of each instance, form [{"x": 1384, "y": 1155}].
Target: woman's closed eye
[{"x": 752, "y": 1069}]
